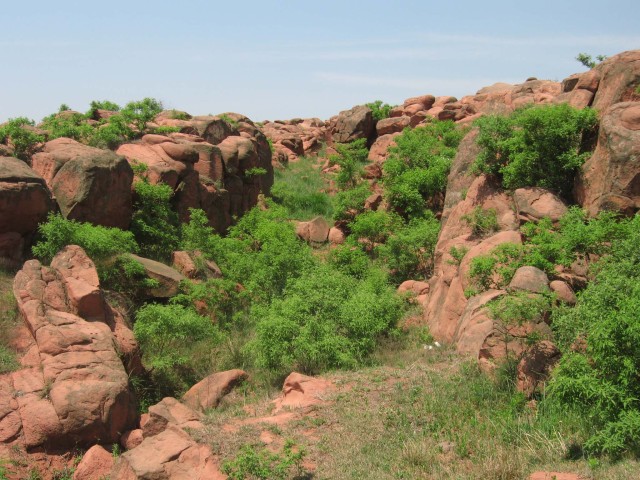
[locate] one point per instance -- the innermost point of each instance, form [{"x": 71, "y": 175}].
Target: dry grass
[
  {"x": 8, "y": 320},
  {"x": 428, "y": 414}
]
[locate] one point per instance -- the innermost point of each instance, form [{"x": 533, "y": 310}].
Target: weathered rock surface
[
  {"x": 209, "y": 392},
  {"x": 301, "y": 391},
  {"x": 73, "y": 387},
  {"x": 194, "y": 265},
  {"x": 96, "y": 464},
  {"x": 535, "y": 203},
  {"x": 610, "y": 179},
  {"x": 168, "y": 278},
  {"x": 25, "y": 199},
  {"x": 353, "y": 124},
  {"x": 529, "y": 279},
  {"x": 314, "y": 231},
  {"x": 89, "y": 184},
  {"x": 535, "y": 366}
]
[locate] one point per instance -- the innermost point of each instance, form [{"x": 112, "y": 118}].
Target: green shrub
[
  {"x": 196, "y": 233},
  {"x": 374, "y": 226},
  {"x": 168, "y": 335},
  {"x": 535, "y": 146},
  {"x": 165, "y": 130},
  {"x": 325, "y": 319},
  {"x": 23, "y": 139},
  {"x": 263, "y": 464},
  {"x": 100, "y": 243},
  {"x": 518, "y": 308},
  {"x": 415, "y": 174},
  {"x": 588, "y": 61},
  {"x": 350, "y": 260},
  {"x": 300, "y": 187},
  {"x": 408, "y": 252},
  {"x": 458, "y": 253},
  {"x": 8, "y": 360},
  {"x": 482, "y": 221},
  {"x": 601, "y": 380},
  {"x": 379, "y": 110},
  {"x": 351, "y": 158},
  {"x": 73, "y": 126},
  {"x": 348, "y": 203},
  {"x": 139, "y": 113},
  {"x": 154, "y": 222},
  {"x": 125, "y": 274},
  {"x": 102, "y": 105}
]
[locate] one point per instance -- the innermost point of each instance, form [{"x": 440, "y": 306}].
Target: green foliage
[
  {"x": 167, "y": 335},
  {"x": 8, "y": 360},
  {"x": 69, "y": 125},
  {"x": 519, "y": 308},
  {"x": 125, "y": 274},
  {"x": 165, "y": 130},
  {"x": 197, "y": 232},
  {"x": 300, "y": 187},
  {"x": 535, "y": 146},
  {"x": 179, "y": 115},
  {"x": 262, "y": 252},
  {"x": 255, "y": 172},
  {"x": 458, "y": 253},
  {"x": 350, "y": 157},
  {"x": 99, "y": 242},
  {"x": 408, "y": 251},
  {"x": 325, "y": 319},
  {"x": 588, "y": 61},
  {"x": 374, "y": 226},
  {"x": 348, "y": 203},
  {"x": 415, "y": 174},
  {"x": 482, "y": 221},
  {"x": 102, "y": 105},
  {"x": 17, "y": 132},
  {"x": 63, "y": 108},
  {"x": 154, "y": 223},
  {"x": 350, "y": 260},
  {"x": 139, "y": 113},
  {"x": 263, "y": 464},
  {"x": 601, "y": 381},
  {"x": 379, "y": 110},
  {"x": 233, "y": 123}
]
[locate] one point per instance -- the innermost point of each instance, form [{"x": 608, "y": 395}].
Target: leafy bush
[
  {"x": 379, "y": 110},
  {"x": 325, "y": 319},
  {"x": 415, "y": 174},
  {"x": 588, "y": 61},
  {"x": 350, "y": 260},
  {"x": 139, "y": 113},
  {"x": 20, "y": 136},
  {"x": 482, "y": 221},
  {"x": 374, "y": 226},
  {"x": 167, "y": 335},
  {"x": 154, "y": 223},
  {"x": 348, "y": 203},
  {"x": 102, "y": 105},
  {"x": 535, "y": 146},
  {"x": 300, "y": 188},
  {"x": 263, "y": 464},
  {"x": 69, "y": 125},
  {"x": 408, "y": 252},
  {"x": 99, "y": 242},
  {"x": 602, "y": 381},
  {"x": 350, "y": 157}
]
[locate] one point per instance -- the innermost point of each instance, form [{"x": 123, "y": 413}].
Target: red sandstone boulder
[
  {"x": 529, "y": 279},
  {"x": 172, "y": 454},
  {"x": 380, "y": 148},
  {"x": 563, "y": 292},
  {"x": 301, "y": 391},
  {"x": 131, "y": 438},
  {"x": 209, "y": 392},
  {"x": 24, "y": 197},
  {"x": 194, "y": 265},
  {"x": 313, "y": 231},
  {"x": 535, "y": 366},
  {"x": 392, "y": 125},
  {"x": 89, "y": 184},
  {"x": 354, "y": 124},
  {"x": 336, "y": 236},
  {"x": 168, "y": 278},
  {"x": 615, "y": 79},
  {"x": 96, "y": 464},
  {"x": 169, "y": 412},
  {"x": 610, "y": 179},
  {"x": 73, "y": 388},
  {"x": 535, "y": 203}
]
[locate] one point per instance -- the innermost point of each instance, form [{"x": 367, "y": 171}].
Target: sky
[{"x": 285, "y": 59}]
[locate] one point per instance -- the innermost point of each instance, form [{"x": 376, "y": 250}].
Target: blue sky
[{"x": 285, "y": 59}]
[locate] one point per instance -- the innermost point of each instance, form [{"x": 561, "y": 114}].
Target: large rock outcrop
[
  {"x": 73, "y": 388},
  {"x": 353, "y": 124},
  {"x": 89, "y": 184},
  {"x": 25, "y": 201}
]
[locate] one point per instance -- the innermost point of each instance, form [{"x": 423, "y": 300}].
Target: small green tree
[
  {"x": 380, "y": 110},
  {"x": 17, "y": 131},
  {"x": 588, "y": 61}
]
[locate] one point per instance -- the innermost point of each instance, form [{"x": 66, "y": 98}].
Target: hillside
[{"x": 446, "y": 288}]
